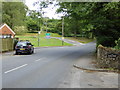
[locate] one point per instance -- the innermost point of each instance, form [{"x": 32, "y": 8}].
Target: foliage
[
  {"x": 33, "y": 38},
  {"x": 33, "y": 20},
  {"x": 107, "y": 24},
  {"x": 105, "y": 41},
  {"x": 20, "y": 29},
  {"x": 54, "y": 25},
  {"x": 76, "y": 19},
  {"x": 117, "y": 44},
  {"x": 99, "y": 18},
  {"x": 14, "y": 13}
]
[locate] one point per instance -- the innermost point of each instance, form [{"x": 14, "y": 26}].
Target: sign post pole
[
  {"x": 38, "y": 38},
  {"x": 48, "y": 37},
  {"x": 63, "y": 31}
]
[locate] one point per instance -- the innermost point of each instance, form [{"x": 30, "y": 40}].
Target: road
[
  {"x": 75, "y": 43},
  {"x": 46, "y": 68}
]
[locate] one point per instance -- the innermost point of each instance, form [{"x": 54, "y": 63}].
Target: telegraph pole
[{"x": 39, "y": 32}]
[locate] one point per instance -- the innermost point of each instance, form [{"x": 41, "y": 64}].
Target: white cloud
[{"x": 29, "y": 3}]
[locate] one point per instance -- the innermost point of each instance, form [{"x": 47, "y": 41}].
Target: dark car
[{"x": 24, "y": 47}]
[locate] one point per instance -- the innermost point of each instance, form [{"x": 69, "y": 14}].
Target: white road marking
[
  {"x": 39, "y": 59},
  {"x": 61, "y": 47},
  {"x": 16, "y": 68}
]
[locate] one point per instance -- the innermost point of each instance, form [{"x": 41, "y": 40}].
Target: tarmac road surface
[{"x": 46, "y": 68}]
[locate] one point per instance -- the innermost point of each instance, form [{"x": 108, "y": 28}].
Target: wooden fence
[{"x": 6, "y": 44}]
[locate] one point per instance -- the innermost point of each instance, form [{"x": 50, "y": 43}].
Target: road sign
[{"x": 48, "y": 35}]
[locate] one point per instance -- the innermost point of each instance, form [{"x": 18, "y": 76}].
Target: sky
[{"x": 50, "y": 12}]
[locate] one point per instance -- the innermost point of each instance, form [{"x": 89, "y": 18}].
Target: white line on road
[
  {"x": 16, "y": 68},
  {"x": 40, "y": 59},
  {"x": 61, "y": 47}
]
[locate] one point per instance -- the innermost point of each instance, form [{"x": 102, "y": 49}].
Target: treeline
[
  {"x": 21, "y": 19},
  {"x": 100, "y": 18},
  {"x": 81, "y": 19},
  {"x": 14, "y": 14}
]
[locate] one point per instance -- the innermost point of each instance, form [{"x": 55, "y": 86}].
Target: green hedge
[{"x": 106, "y": 41}]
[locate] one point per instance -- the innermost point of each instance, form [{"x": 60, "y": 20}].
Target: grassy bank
[
  {"x": 81, "y": 39},
  {"x": 33, "y": 38}
]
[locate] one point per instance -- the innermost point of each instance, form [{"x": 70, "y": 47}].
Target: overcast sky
[{"x": 50, "y": 12}]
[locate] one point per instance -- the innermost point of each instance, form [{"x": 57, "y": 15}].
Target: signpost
[
  {"x": 48, "y": 37},
  {"x": 39, "y": 37}
]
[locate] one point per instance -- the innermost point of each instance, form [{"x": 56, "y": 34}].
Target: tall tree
[
  {"x": 102, "y": 18},
  {"x": 34, "y": 20},
  {"x": 14, "y": 13}
]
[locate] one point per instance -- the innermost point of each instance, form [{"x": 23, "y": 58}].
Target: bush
[
  {"x": 117, "y": 44},
  {"x": 106, "y": 41},
  {"x": 20, "y": 29}
]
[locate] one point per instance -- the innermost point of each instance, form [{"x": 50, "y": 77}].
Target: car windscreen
[{"x": 21, "y": 44}]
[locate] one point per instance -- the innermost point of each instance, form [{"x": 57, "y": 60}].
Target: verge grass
[
  {"x": 80, "y": 39},
  {"x": 33, "y": 38}
]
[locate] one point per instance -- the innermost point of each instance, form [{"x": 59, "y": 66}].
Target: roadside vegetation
[
  {"x": 43, "y": 41},
  {"x": 81, "y": 39},
  {"x": 83, "y": 21},
  {"x": 33, "y": 37},
  {"x": 117, "y": 44}
]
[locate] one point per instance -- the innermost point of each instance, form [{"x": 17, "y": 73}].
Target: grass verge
[
  {"x": 43, "y": 41},
  {"x": 80, "y": 39}
]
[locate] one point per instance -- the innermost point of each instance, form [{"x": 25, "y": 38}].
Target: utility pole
[
  {"x": 62, "y": 31},
  {"x": 38, "y": 38},
  {"x": 39, "y": 32}
]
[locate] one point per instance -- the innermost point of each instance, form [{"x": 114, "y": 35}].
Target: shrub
[
  {"x": 106, "y": 41},
  {"x": 117, "y": 44},
  {"x": 20, "y": 29}
]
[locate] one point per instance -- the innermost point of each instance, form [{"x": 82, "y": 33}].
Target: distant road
[
  {"x": 76, "y": 43},
  {"x": 46, "y": 68}
]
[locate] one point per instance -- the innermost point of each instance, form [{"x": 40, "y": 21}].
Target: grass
[
  {"x": 80, "y": 39},
  {"x": 33, "y": 38},
  {"x": 42, "y": 34}
]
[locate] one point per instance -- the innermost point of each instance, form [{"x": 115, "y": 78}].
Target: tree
[
  {"x": 100, "y": 18},
  {"x": 54, "y": 25},
  {"x": 34, "y": 20},
  {"x": 14, "y": 13},
  {"x": 42, "y": 4},
  {"x": 75, "y": 17},
  {"x": 106, "y": 27}
]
